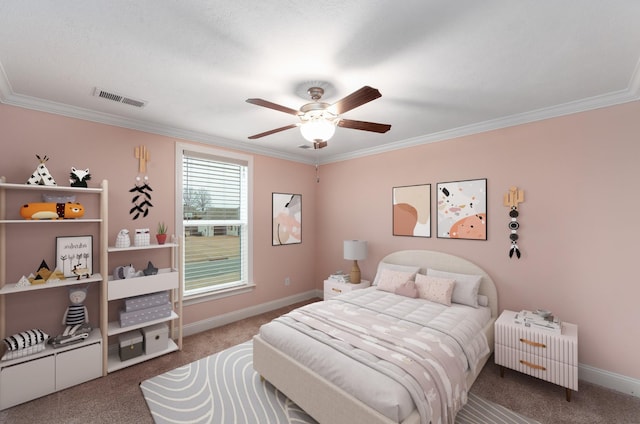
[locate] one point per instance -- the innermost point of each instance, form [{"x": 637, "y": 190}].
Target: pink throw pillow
[
  {"x": 408, "y": 289},
  {"x": 435, "y": 289}
]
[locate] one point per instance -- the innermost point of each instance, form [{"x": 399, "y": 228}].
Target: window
[{"x": 214, "y": 203}]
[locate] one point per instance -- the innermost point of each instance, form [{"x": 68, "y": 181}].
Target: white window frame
[{"x": 223, "y": 156}]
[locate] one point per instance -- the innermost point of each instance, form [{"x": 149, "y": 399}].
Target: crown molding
[
  {"x": 632, "y": 93},
  {"x": 596, "y": 102}
]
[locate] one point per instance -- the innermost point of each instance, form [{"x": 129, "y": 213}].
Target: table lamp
[{"x": 355, "y": 250}]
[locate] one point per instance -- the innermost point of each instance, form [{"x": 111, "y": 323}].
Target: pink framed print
[{"x": 412, "y": 210}]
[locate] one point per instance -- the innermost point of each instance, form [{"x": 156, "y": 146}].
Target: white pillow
[
  {"x": 466, "y": 287},
  {"x": 391, "y": 280},
  {"x": 435, "y": 289},
  {"x": 405, "y": 268},
  {"x": 483, "y": 300}
]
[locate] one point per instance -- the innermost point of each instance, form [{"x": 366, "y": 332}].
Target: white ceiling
[{"x": 444, "y": 68}]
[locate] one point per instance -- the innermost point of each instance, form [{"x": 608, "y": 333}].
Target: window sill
[{"x": 218, "y": 294}]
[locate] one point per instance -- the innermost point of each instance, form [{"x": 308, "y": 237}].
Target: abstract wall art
[
  {"x": 412, "y": 210},
  {"x": 286, "y": 219},
  {"x": 462, "y": 209}
]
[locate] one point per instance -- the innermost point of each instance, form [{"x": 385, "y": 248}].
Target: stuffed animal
[
  {"x": 76, "y": 314},
  {"x": 50, "y": 210},
  {"x": 127, "y": 271},
  {"x": 76, "y": 320},
  {"x": 79, "y": 177}
]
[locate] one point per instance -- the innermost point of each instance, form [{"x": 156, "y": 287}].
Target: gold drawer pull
[
  {"x": 529, "y": 364},
  {"x": 534, "y": 344},
  {"x": 336, "y": 290}
]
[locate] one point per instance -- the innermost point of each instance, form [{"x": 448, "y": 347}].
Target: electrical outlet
[{"x": 287, "y": 281}]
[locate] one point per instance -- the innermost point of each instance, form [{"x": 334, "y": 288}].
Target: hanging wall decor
[
  {"x": 412, "y": 210},
  {"x": 511, "y": 200},
  {"x": 462, "y": 209},
  {"x": 142, "y": 190},
  {"x": 286, "y": 219}
]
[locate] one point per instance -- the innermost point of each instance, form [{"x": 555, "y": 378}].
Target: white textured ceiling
[{"x": 444, "y": 68}]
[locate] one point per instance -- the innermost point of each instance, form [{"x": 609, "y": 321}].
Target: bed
[{"x": 296, "y": 363}]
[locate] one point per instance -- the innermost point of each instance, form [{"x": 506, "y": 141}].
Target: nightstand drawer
[
  {"x": 543, "y": 368},
  {"x": 333, "y": 291},
  {"x": 334, "y": 288}
]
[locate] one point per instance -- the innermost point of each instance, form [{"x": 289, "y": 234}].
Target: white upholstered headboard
[{"x": 447, "y": 262}]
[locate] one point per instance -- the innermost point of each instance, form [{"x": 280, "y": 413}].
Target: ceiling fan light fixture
[{"x": 317, "y": 128}]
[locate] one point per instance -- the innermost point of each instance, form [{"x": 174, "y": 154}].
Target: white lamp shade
[
  {"x": 355, "y": 249},
  {"x": 317, "y": 129}
]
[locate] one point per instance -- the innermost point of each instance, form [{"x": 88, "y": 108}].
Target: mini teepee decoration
[
  {"x": 41, "y": 175},
  {"x": 142, "y": 190}
]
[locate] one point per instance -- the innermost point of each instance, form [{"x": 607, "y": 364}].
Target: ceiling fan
[{"x": 318, "y": 119}]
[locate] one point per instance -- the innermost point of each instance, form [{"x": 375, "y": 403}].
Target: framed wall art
[
  {"x": 74, "y": 253},
  {"x": 462, "y": 209},
  {"x": 412, "y": 210},
  {"x": 286, "y": 218}
]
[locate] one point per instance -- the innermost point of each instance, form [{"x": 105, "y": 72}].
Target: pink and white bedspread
[{"x": 392, "y": 352}]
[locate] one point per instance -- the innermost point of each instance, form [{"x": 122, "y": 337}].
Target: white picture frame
[{"x": 72, "y": 252}]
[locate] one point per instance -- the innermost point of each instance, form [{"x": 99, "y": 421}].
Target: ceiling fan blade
[
  {"x": 274, "y": 106},
  {"x": 319, "y": 144},
  {"x": 355, "y": 99},
  {"x": 288, "y": 127},
  {"x": 364, "y": 126}
]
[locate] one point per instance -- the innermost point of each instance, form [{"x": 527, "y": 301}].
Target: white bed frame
[{"x": 328, "y": 403}]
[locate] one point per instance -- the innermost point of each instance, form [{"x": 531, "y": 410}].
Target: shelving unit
[
  {"x": 166, "y": 279},
  {"x": 38, "y": 374},
  {"x": 50, "y": 370}
]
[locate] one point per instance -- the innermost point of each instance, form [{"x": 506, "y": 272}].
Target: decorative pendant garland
[
  {"x": 142, "y": 197},
  {"x": 511, "y": 200}
]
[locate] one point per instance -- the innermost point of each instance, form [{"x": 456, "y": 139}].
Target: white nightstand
[
  {"x": 544, "y": 354},
  {"x": 333, "y": 288}
]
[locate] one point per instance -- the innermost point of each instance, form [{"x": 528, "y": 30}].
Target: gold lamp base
[{"x": 354, "y": 276}]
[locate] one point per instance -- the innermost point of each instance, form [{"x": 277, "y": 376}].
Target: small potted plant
[{"x": 161, "y": 233}]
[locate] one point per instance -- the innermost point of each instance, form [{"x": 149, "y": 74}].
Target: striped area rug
[{"x": 224, "y": 388}]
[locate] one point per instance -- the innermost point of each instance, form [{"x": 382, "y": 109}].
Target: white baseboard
[
  {"x": 618, "y": 382},
  {"x": 228, "y": 318},
  {"x": 610, "y": 380}
]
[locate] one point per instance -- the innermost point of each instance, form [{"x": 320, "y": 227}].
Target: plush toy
[
  {"x": 76, "y": 314},
  {"x": 50, "y": 210},
  {"x": 76, "y": 320},
  {"x": 127, "y": 271},
  {"x": 79, "y": 177}
]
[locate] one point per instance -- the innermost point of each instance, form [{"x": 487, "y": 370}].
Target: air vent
[{"x": 98, "y": 92}]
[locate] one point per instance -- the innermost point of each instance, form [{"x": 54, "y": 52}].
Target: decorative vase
[
  {"x": 123, "y": 240},
  {"x": 162, "y": 238},
  {"x": 142, "y": 237}
]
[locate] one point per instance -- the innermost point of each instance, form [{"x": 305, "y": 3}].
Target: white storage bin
[{"x": 156, "y": 338}]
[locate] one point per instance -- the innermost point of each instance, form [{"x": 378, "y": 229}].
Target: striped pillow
[{"x": 25, "y": 339}]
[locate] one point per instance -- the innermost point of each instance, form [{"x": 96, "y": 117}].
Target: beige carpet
[{"x": 117, "y": 398}]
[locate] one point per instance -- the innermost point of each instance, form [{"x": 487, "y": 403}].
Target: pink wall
[
  {"x": 579, "y": 234},
  {"x": 579, "y": 174},
  {"x": 109, "y": 154}
]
